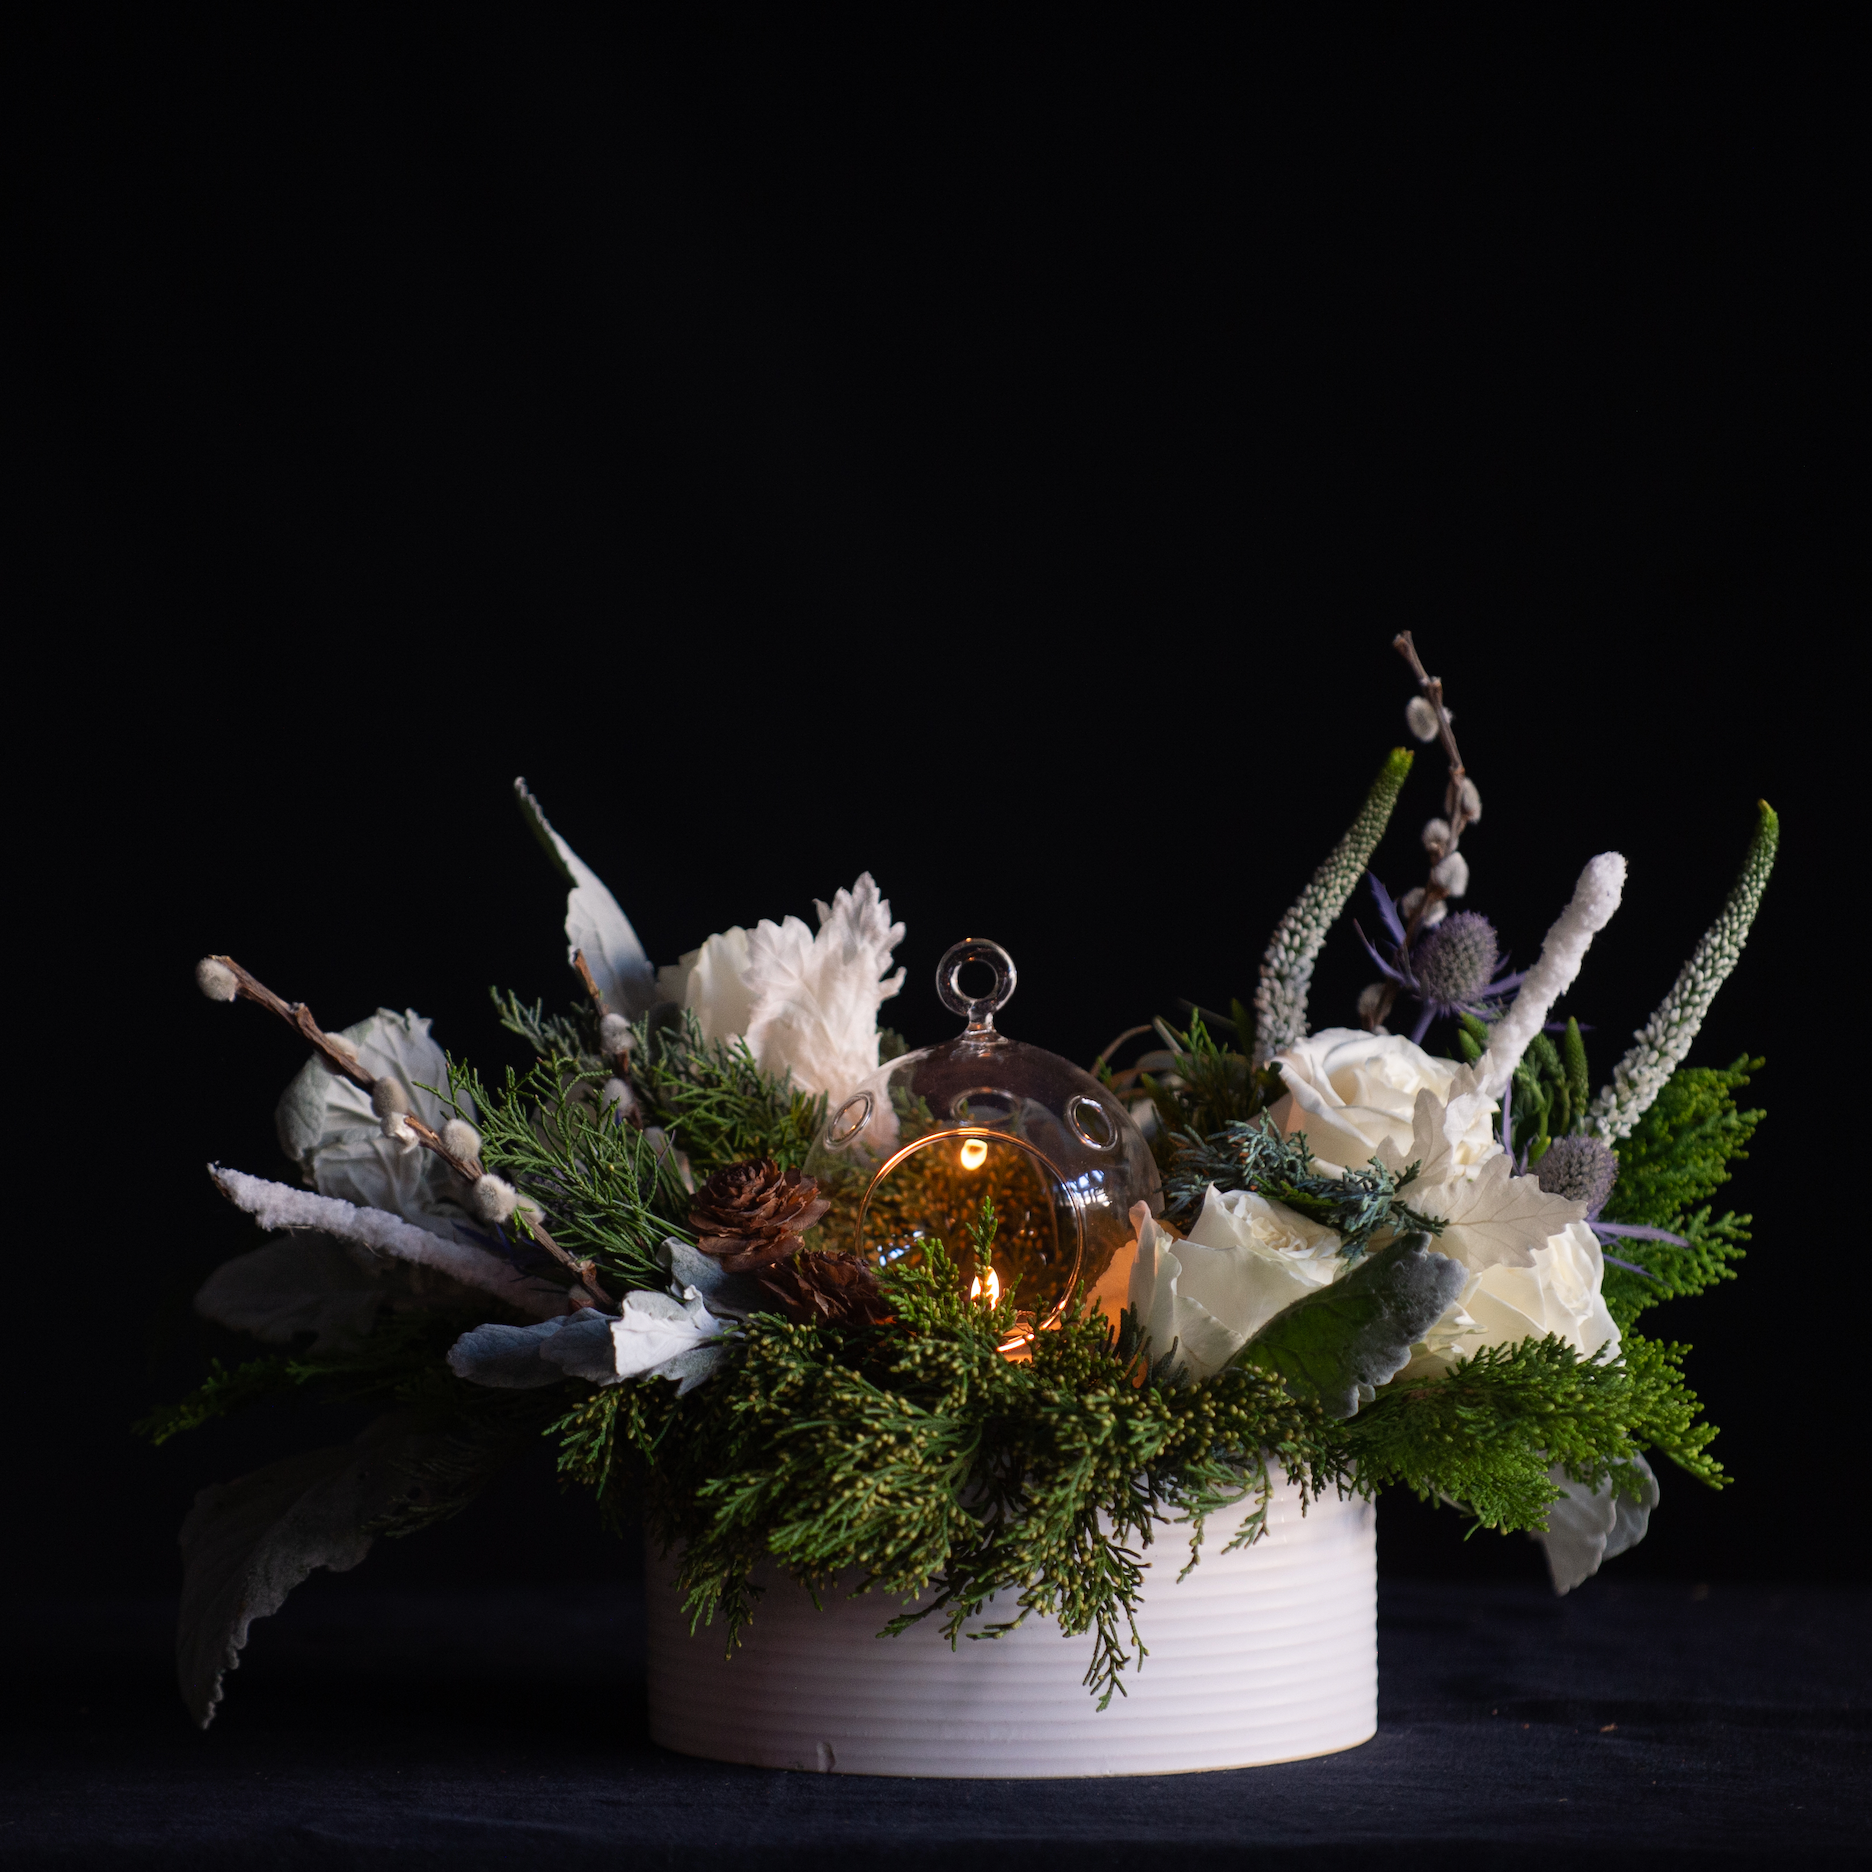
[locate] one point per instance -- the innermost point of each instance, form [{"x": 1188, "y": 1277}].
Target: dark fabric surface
[{"x": 1626, "y": 1725}]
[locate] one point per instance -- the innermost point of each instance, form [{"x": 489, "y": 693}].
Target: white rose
[
  {"x": 1504, "y": 1304},
  {"x": 1352, "y": 1093},
  {"x": 1211, "y": 1292}
]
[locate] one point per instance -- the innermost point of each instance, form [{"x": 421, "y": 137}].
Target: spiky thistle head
[
  {"x": 1581, "y": 1169},
  {"x": 1456, "y": 962}
]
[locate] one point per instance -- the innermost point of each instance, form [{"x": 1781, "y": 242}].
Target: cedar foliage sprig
[
  {"x": 716, "y": 1102},
  {"x": 610, "y": 1194},
  {"x": 916, "y": 1460},
  {"x": 1676, "y": 1156}
]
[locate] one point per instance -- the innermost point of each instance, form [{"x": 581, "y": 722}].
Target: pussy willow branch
[
  {"x": 299, "y": 1017},
  {"x": 1453, "y": 808}
]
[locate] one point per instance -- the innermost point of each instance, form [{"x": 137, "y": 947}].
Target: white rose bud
[
  {"x": 1420, "y": 718},
  {"x": 1435, "y": 835},
  {"x": 216, "y": 980},
  {"x": 1453, "y": 874},
  {"x": 614, "y": 1034},
  {"x": 493, "y": 1199}
]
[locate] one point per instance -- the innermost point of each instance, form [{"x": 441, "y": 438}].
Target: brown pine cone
[
  {"x": 824, "y": 1285},
  {"x": 751, "y": 1214}
]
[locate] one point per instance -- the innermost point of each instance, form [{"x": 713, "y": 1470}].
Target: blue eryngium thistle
[
  {"x": 1452, "y": 969},
  {"x": 1455, "y": 963},
  {"x": 1582, "y": 1169}
]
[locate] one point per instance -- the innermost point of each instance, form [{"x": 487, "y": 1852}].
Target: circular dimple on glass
[
  {"x": 849, "y": 1119},
  {"x": 978, "y": 1010},
  {"x": 1092, "y": 1122}
]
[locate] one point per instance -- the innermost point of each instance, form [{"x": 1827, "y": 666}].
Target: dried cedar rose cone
[
  {"x": 827, "y": 1285},
  {"x": 751, "y": 1214}
]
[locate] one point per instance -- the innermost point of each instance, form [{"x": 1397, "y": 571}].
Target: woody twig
[{"x": 221, "y": 978}]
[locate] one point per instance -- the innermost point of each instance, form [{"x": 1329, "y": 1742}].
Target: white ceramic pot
[{"x": 1267, "y": 1654}]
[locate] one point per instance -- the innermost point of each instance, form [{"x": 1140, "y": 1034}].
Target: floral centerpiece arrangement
[{"x": 1409, "y": 1251}]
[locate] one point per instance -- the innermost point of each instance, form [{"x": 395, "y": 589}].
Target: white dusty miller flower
[
  {"x": 1287, "y": 968},
  {"x": 1595, "y": 898},
  {"x": 216, "y": 980},
  {"x": 1664, "y": 1040}
]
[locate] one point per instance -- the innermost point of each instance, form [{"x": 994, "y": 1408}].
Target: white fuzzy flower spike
[
  {"x": 1421, "y": 719},
  {"x": 1280, "y": 1001},
  {"x": 1665, "y": 1038},
  {"x": 1595, "y": 898},
  {"x": 614, "y": 1034},
  {"x": 216, "y": 980}
]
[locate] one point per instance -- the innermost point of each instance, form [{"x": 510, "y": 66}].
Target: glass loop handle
[{"x": 978, "y": 1010}]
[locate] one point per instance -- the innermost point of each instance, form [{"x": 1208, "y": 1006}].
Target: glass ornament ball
[{"x": 913, "y": 1152}]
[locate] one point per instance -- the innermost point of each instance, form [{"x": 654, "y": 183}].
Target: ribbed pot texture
[{"x": 1268, "y": 1654}]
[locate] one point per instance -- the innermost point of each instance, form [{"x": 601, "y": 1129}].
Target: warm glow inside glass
[{"x": 938, "y": 1189}]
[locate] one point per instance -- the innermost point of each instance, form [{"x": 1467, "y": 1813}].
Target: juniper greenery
[
  {"x": 1677, "y": 1156},
  {"x": 612, "y": 1195},
  {"x": 915, "y": 1460},
  {"x": 716, "y": 1103}
]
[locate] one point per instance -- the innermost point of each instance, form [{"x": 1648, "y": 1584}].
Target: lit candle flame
[
  {"x": 974, "y": 1153},
  {"x": 991, "y": 1292}
]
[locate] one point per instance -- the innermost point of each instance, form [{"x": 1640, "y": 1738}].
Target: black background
[{"x": 997, "y": 464}]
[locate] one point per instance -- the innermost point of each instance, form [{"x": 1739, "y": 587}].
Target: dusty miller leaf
[
  {"x": 1340, "y": 1342},
  {"x": 247, "y": 1544}
]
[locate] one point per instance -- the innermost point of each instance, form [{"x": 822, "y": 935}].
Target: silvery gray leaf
[
  {"x": 1634, "y": 1517},
  {"x": 292, "y": 1284},
  {"x": 247, "y": 1544},
  {"x": 727, "y": 1296},
  {"x": 1339, "y": 1342},
  {"x": 1586, "y": 1527},
  {"x": 689, "y": 1369},
  {"x": 595, "y": 925},
  {"x": 583, "y": 1347},
  {"x": 508, "y": 1358},
  {"x": 326, "y": 1125}
]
